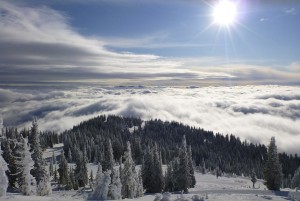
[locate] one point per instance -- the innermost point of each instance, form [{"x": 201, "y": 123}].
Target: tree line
[
  {"x": 210, "y": 151},
  {"x": 113, "y": 141}
]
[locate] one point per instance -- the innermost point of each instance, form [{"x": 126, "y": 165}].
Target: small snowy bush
[
  {"x": 197, "y": 198},
  {"x": 167, "y": 197},
  {"x": 158, "y": 197},
  {"x": 44, "y": 187},
  {"x": 163, "y": 197}
]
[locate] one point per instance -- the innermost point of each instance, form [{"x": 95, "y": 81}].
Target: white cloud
[
  {"x": 264, "y": 19},
  {"x": 41, "y": 39},
  {"x": 295, "y": 66},
  {"x": 290, "y": 11},
  {"x": 38, "y": 44},
  {"x": 251, "y": 112}
]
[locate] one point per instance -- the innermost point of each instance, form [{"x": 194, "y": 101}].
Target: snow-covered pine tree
[
  {"x": 296, "y": 179},
  {"x": 108, "y": 162},
  {"x": 70, "y": 158},
  {"x": 91, "y": 180},
  {"x": 81, "y": 173},
  {"x": 44, "y": 187},
  {"x": 51, "y": 167},
  {"x": 26, "y": 181},
  {"x": 273, "y": 169},
  {"x": 175, "y": 174},
  {"x": 115, "y": 188},
  {"x": 191, "y": 169},
  {"x": 147, "y": 163},
  {"x": 139, "y": 181},
  {"x": 73, "y": 180},
  {"x": 102, "y": 187},
  {"x": 55, "y": 177},
  {"x": 9, "y": 147},
  {"x": 157, "y": 178},
  {"x": 69, "y": 183},
  {"x": 203, "y": 166},
  {"x": 63, "y": 170},
  {"x": 3, "y": 177},
  {"x": 169, "y": 179},
  {"x": 253, "y": 178},
  {"x": 39, "y": 171},
  {"x": 99, "y": 174},
  {"x": 289, "y": 181},
  {"x": 128, "y": 175},
  {"x": 183, "y": 172}
]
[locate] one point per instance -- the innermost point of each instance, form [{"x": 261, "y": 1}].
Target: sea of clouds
[{"x": 254, "y": 113}]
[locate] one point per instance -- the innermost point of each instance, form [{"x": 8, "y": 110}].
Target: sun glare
[{"x": 225, "y": 13}]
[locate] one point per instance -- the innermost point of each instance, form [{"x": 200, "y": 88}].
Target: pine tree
[
  {"x": 169, "y": 179},
  {"x": 192, "y": 179},
  {"x": 203, "y": 167},
  {"x": 153, "y": 179},
  {"x": 147, "y": 162},
  {"x": 10, "y": 148},
  {"x": 183, "y": 179},
  {"x": 115, "y": 188},
  {"x": 51, "y": 167},
  {"x": 3, "y": 177},
  {"x": 39, "y": 171},
  {"x": 80, "y": 172},
  {"x": 102, "y": 187},
  {"x": 44, "y": 187},
  {"x": 128, "y": 175},
  {"x": 108, "y": 162},
  {"x": 253, "y": 178},
  {"x": 99, "y": 174},
  {"x": 73, "y": 179},
  {"x": 26, "y": 181},
  {"x": 139, "y": 182},
  {"x": 156, "y": 172},
  {"x": 296, "y": 179},
  {"x": 91, "y": 180},
  {"x": 273, "y": 170},
  {"x": 70, "y": 158},
  {"x": 55, "y": 174},
  {"x": 175, "y": 173},
  {"x": 289, "y": 181},
  {"x": 69, "y": 183},
  {"x": 63, "y": 170}
]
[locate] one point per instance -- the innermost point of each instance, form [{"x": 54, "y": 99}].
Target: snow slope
[
  {"x": 215, "y": 189},
  {"x": 221, "y": 189}
]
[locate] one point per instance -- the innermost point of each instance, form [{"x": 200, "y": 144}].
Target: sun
[{"x": 224, "y": 13}]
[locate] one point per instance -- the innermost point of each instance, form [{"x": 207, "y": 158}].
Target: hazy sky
[{"x": 149, "y": 42}]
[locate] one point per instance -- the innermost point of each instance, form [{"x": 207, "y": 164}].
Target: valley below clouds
[{"x": 254, "y": 113}]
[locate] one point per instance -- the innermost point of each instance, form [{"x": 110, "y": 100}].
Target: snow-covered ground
[
  {"x": 207, "y": 186},
  {"x": 221, "y": 189}
]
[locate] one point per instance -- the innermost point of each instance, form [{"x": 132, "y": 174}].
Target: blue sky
[
  {"x": 263, "y": 31},
  {"x": 166, "y": 41}
]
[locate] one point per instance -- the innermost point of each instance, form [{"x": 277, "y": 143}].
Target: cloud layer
[{"x": 252, "y": 112}]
